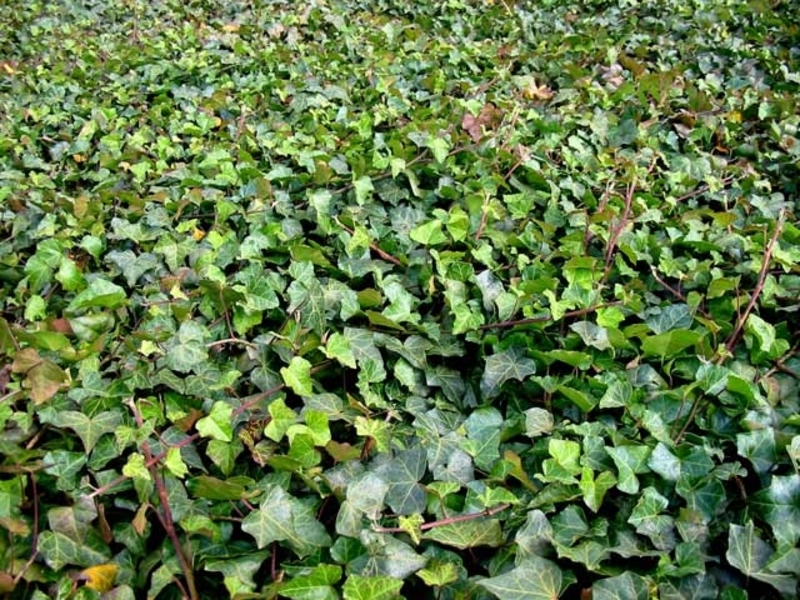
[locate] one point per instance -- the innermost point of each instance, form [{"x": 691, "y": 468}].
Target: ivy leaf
[
  {"x": 386, "y": 555},
  {"x": 779, "y": 505},
  {"x": 592, "y": 335},
  {"x": 468, "y": 534},
  {"x": 281, "y": 517},
  {"x": 668, "y": 344},
  {"x": 673, "y": 316},
  {"x": 358, "y": 587},
  {"x": 630, "y": 461},
  {"x": 100, "y": 294},
  {"x": 627, "y": 586},
  {"x": 483, "y": 436},
  {"x": 534, "y": 578},
  {"x": 187, "y": 349},
  {"x": 315, "y": 585},
  {"x": 298, "y": 376},
  {"x": 405, "y": 495},
  {"x": 212, "y": 488},
  {"x": 594, "y": 488},
  {"x": 750, "y": 554},
  {"x": 90, "y": 429},
  {"x": 217, "y": 424},
  {"x": 58, "y": 550},
  {"x": 758, "y": 446},
  {"x": 503, "y": 366},
  {"x": 238, "y": 571},
  {"x": 429, "y": 234},
  {"x": 538, "y": 421},
  {"x": 338, "y": 347}
]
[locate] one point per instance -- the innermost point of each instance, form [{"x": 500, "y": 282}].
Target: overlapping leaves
[{"x": 367, "y": 299}]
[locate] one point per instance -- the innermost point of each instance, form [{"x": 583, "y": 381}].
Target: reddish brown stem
[
  {"x": 545, "y": 318},
  {"x": 374, "y": 247},
  {"x": 166, "y": 512},
  {"x": 448, "y": 521},
  {"x": 762, "y": 278}
]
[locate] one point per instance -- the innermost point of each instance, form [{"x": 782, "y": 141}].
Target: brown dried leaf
[{"x": 488, "y": 119}]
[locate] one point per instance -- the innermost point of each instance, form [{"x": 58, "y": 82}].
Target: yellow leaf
[
  {"x": 99, "y": 578},
  {"x": 8, "y": 68},
  {"x": 198, "y": 234},
  {"x": 537, "y": 92}
]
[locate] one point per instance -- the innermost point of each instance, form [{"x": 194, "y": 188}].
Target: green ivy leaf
[
  {"x": 280, "y": 518},
  {"x": 100, "y": 294},
  {"x": 337, "y": 347},
  {"x": 314, "y": 585},
  {"x": 667, "y": 345},
  {"x": 298, "y": 376},
  {"x": 405, "y": 495},
  {"x": 534, "y": 578},
  {"x": 429, "y": 234},
  {"x": 594, "y": 488},
  {"x": 627, "y": 586},
  {"x": 468, "y": 534},
  {"x": 503, "y": 366},
  {"x": 358, "y": 587},
  {"x": 212, "y": 488},
  {"x": 217, "y": 425},
  {"x": 58, "y": 551},
  {"x": 90, "y": 429}
]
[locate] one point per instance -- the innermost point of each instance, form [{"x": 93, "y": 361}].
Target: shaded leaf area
[{"x": 378, "y": 299}]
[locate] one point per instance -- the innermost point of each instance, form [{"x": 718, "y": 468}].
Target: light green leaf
[
  {"x": 100, "y": 294},
  {"x": 338, "y": 347},
  {"x": 364, "y": 188},
  {"x": 594, "y": 488},
  {"x": 298, "y": 376},
  {"x": 217, "y": 425},
  {"x": 438, "y": 574},
  {"x": 538, "y": 421},
  {"x": 468, "y": 534},
  {"x": 439, "y": 147},
  {"x": 135, "y": 468},
  {"x": 376, "y": 587},
  {"x": 534, "y": 578},
  {"x": 281, "y": 418},
  {"x": 314, "y": 585},
  {"x": 429, "y": 234}
]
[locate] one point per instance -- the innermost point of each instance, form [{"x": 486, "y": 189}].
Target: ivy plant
[{"x": 353, "y": 299}]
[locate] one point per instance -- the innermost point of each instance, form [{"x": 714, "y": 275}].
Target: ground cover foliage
[{"x": 377, "y": 299}]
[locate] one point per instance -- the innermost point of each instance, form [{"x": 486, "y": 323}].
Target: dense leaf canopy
[{"x": 378, "y": 299}]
